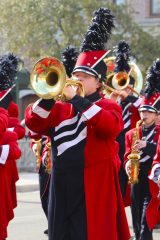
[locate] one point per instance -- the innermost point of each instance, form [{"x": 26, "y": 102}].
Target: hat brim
[
  {"x": 147, "y": 108},
  {"x": 87, "y": 70}
]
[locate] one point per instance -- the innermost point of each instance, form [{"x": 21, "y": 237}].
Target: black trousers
[
  {"x": 44, "y": 181},
  {"x": 123, "y": 180},
  {"x": 140, "y": 197},
  {"x": 67, "y": 213}
]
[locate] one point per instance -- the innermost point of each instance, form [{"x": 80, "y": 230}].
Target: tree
[{"x": 36, "y": 28}]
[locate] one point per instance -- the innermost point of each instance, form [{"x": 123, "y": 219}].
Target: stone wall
[{"x": 27, "y": 162}]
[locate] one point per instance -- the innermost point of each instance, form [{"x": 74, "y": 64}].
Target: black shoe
[{"x": 46, "y": 231}]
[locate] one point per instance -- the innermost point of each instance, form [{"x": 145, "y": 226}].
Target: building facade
[{"x": 145, "y": 12}]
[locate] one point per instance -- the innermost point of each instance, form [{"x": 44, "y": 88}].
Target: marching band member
[
  {"x": 9, "y": 67},
  {"x": 9, "y": 152},
  {"x": 41, "y": 150},
  {"x": 3, "y": 214},
  {"x": 142, "y": 142},
  {"x": 15, "y": 127},
  {"x": 83, "y": 130},
  {"x": 129, "y": 104},
  {"x": 153, "y": 210},
  {"x": 9, "y": 145}
]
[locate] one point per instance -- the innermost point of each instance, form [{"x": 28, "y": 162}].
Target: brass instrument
[
  {"x": 48, "y": 79},
  {"x": 134, "y": 156},
  {"x": 111, "y": 89},
  {"x": 48, "y": 158},
  {"x": 37, "y": 151},
  {"x": 120, "y": 80}
]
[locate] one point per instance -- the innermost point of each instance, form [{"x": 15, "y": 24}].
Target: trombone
[{"x": 121, "y": 79}]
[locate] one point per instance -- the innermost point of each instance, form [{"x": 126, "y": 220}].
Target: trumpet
[{"x": 48, "y": 79}]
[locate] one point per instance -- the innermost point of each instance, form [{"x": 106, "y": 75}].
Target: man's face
[
  {"x": 90, "y": 83},
  {"x": 148, "y": 117}
]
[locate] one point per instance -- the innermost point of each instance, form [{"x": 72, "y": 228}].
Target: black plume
[
  {"x": 99, "y": 31},
  {"x": 69, "y": 57},
  {"x": 8, "y": 70},
  {"x": 152, "y": 84},
  {"x": 122, "y": 53}
]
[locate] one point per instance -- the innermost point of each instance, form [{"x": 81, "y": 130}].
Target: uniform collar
[
  {"x": 148, "y": 129},
  {"x": 93, "y": 97}
]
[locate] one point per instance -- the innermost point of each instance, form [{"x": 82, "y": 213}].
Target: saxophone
[
  {"x": 134, "y": 156},
  {"x": 37, "y": 153},
  {"x": 48, "y": 158}
]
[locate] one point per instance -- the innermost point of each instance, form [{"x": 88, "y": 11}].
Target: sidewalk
[{"x": 28, "y": 182}]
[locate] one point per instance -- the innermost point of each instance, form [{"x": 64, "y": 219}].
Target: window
[
  {"x": 155, "y": 7},
  {"x": 118, "y": 2}
]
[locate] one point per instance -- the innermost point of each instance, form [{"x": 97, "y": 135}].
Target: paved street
[
  {"x": 29, "y": 222},
  {"x": 156, "y": 233}
]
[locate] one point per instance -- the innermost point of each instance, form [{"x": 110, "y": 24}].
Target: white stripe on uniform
[{"x": 66, "y": 145}]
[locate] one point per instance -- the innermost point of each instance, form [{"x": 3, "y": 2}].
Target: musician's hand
[
  {"x": 140, "y": 144},
  {"x": 128, "y": 167},
  {"x": 123, "y": 94},
  {"x": 69, "y": 91},
  {"x": 114, "y": 95}
]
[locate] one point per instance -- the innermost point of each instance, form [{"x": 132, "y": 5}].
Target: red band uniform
[
  {"x": 9, "y": 152},
  {"x": 85, "y": 198},
  {"x": 147, "y": 144},
  {"x": 128, "y": 102}
]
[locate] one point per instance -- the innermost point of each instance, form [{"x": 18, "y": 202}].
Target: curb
[
  {"x": 27, "y": 182},
  {"x": 27, "y": 188}
]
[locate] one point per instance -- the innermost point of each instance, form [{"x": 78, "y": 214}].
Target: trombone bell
[
  {"x": 120, "y": 80},
  {"x": 118, "y": 83}
]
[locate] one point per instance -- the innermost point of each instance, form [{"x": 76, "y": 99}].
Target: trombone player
[
  {"x": 128, "y": 102},
  {"x": 83, "y": 132}
]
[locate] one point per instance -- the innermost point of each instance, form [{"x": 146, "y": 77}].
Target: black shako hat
[
  {"x": 151, "y": 98},
  {"x": 122, "y": 57},
  {"x": 8, "y": 69},
  {"x": 69, "y": 57},
  {"x": 92, "y": 51}
]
